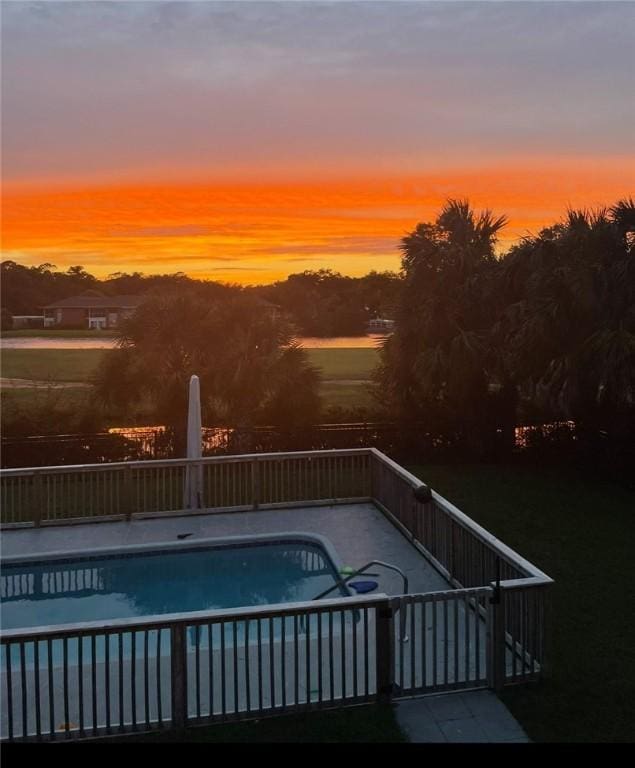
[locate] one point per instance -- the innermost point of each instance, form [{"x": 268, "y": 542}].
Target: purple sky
[{"x": 97, "y": 89}]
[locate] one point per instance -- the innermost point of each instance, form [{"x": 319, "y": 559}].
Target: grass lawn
[
  {"x": 346, "y": 395},
  {"x": 79, "y": 364},
  {"x": 33, "y": 400},
  {"x": 350, "y": 364},
  {"x": 581, "y": 532},
  {"x": 345, "y": 371},
  {"x": 50, "y": 364},
  {"x": 368, "y": 724},
  {"x": 44, "y": 410}
]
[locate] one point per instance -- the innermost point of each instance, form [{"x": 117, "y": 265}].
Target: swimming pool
[
  {"x": 166, "y": 578},
  {"x": 94, "y": 636}
]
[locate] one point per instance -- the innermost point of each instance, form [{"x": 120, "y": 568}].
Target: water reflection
[
  {"x": 226, "y": 439},
  {"x": 524, "y": 437},
  {"x": 371, "y": 340},
  {"x": 156, "y": 440},
  {"x": 42, "y": 342},
  {"x": 96, "y": 589}
]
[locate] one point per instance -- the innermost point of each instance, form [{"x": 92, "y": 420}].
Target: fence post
[
  {"x": 200, "y": 484},
  {"x": 127, "y": 493},
  {"x": 384, "y": 651},
  {"x": 544, "y": 626},
  {"x": 496, "y": 640},
  {"x": 452, "y": 553},
  {"x": 255, "y": 484},
  {"x": 178, "y": 665},
  {"x": 372, "y": 477},
  {"x": 38, "y": 499}
]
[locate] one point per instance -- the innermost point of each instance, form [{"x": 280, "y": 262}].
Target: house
[
  {"x": 90, "y": 309},
  {"x": 380, "y": 325},
  {"x": 27, "y": 321}
]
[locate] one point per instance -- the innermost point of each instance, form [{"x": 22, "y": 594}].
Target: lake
[{"x": 42, "y": 342}]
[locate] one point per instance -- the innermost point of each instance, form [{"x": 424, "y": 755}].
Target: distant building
[
  {"x": 27, "y": 321},
  {"x": 380, "y": 325},
  {"x": 90, "y": 310}
]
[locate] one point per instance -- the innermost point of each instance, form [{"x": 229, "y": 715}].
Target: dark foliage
[
  {"x": 546, "y": 333},
  {"x": 322, "y": 303},
  {"x": 250, "y": 368}
]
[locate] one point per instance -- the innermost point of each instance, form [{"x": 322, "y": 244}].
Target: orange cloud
[{"x": 260, "y": 231}]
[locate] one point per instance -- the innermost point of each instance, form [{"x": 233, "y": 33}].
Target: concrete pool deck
[
  {"x": 359, "y": 533},
  {"x": 469, "y": 717}
]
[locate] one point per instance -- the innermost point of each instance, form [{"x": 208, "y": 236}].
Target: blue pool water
[{"x": 88, "y": 589}]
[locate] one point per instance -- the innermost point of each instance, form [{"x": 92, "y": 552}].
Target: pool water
[{"x": 88, "y": 589}]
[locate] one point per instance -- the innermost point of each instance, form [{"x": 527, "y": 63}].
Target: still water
[
  {"x": 161, "y": 582},
  {"x": 42, "y": 342}
]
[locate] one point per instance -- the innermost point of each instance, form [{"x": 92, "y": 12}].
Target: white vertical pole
[{"x": 193, "y": 496}]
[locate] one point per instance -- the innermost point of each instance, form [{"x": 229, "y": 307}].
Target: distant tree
[
  {"x": 380, "y": 293},
  {"x": 141, "y": 284},
  {"x": 326, "y": 303},
  {"x": 79, "y": 280},
  {"x": 7, "y": 319},
  {"x": 25, "y": 290},
  {"x": 250, "y": 369}
]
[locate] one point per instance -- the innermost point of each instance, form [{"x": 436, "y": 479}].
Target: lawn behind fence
[
  {"x": 345, "y": 372},
  {"x": 580, "y": 530},
  {"x": 51, "y": 365}
]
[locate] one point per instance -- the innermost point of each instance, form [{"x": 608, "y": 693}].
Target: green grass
[
  {"x": 39, "y": 396},
  {"x": 79, "y": 364},
  {"x": 346, "y": 395},
  {"x": 345, "y": 371},
  {"x": 581, "y": 532},
  {"x": 50, "y": 364},
  {"x": 344, "y": 363},
  {"x": 368, "y": 724},
  {"x": 44, "y": 410}
]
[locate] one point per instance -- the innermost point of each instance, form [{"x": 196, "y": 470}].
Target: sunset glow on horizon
[
  {"x": 259, "y": 232},
  {"x": 245, "y": 141}
]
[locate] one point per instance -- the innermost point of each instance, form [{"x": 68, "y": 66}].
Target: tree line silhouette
[
  {"x": 482, "y": 341},
  {"x": 319, "y": 302},
  {"x": 544, "y": 333}
]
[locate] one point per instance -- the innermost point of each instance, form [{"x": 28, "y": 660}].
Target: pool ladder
[
  {"x": 403, "y": 637},
  {"x": 342, "y": 582}
]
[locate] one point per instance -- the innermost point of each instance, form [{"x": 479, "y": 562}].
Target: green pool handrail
[{"x": 342, "y": 582}]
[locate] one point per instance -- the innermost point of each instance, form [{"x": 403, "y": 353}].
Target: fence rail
[
  {"x": 89, "y": 680},
  {"x": 447, "y": 635},
  {"x": 470, "y": 557},
  {"x": 139, "y": 488},
  {"x": 84, "y": 680}
]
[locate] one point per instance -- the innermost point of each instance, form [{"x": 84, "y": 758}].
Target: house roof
[{"x": 96, "y": 300}]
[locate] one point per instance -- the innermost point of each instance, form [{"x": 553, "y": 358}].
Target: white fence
[{"x": 171, "y": 671}]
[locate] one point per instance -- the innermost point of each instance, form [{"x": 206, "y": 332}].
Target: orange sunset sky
[{"x": 245, "y": 141}]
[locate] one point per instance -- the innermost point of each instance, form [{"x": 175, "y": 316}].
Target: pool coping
[{"x": 210, "y": 542}]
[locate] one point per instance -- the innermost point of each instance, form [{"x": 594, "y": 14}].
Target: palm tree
[
  {"x": 437, "y": 366},
  {"x": 569, "y": 325}
]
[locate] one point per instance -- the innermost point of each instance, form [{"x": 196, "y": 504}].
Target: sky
[{"x": 243, "y": 141}]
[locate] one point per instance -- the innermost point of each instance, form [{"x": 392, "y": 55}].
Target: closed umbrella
[{"x": 193, "y": 496}]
